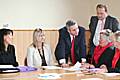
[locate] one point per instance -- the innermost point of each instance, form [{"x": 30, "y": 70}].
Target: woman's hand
[{"x": 103, "y": 69}]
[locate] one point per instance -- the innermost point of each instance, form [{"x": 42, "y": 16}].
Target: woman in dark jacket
[
  {"x": 115, "y": 63},
  {"x": 7, "y": 50},
  {"x": 116, "y": 59}
]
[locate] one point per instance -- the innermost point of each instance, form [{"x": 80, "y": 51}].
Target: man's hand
[
  {"x": 91, "y": 66},
  {"x": 87, "y": 65},
  {"x": 64, "y": 65}
]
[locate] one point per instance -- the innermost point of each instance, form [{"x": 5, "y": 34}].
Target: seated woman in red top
[
  {"x": 103, "y": 53},
  {"x": 116, "y": 59}
]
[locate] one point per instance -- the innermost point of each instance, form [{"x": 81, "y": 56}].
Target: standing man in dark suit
[
  {"x": 71, "y": 46},
  {"x": 98, "y": 23}
]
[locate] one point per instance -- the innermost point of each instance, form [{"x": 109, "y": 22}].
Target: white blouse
[{"x": 34, "y": 59}]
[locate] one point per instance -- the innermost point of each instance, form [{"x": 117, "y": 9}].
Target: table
[{"x": 66, "y": 75}]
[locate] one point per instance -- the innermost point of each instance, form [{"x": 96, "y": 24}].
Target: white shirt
[{"x": 100, "y": 26}]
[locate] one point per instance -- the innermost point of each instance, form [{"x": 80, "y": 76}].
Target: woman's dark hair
[{"x": 4, "y": 32}]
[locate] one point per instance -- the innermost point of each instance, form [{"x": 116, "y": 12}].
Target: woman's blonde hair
[{"x": 35, "y": 35}]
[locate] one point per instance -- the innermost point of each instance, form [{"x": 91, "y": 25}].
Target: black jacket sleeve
[
  {"x": 15, "y": 63},
  {"x": 60, "y": 48}
]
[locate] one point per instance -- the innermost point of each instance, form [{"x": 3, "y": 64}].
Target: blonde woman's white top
[{"x": 34, "y": 59}]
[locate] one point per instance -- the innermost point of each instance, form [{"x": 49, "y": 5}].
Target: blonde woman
[{"x": 39, "y": 53}]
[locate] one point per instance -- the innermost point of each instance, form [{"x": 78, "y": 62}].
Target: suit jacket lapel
[
  {"x": 76, "y": 40},
  {"x": 95, "y": 24},
  {"x": 106, "y": 23},
  {"x": 76, "y": 44},
  {"x": 68, "y": 39}
]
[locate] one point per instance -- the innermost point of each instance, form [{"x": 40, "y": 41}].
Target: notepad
[
  {"x": 8, "y": 69},
  {"x": 7, "y": 66}
]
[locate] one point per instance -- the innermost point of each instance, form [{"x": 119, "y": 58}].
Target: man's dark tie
[{"x": 72, "y": 51}]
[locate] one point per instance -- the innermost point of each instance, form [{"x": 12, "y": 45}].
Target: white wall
[
  {"x": 32, "y": 13},
  {"x": 28, "y": 14}
]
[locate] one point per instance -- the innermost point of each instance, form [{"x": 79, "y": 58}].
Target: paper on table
[
  {"x": 111, "y": 74},
  {"x": 94, "y": 69},
  {"x": 51, "y": 67},
  {"x": 77, "y": 65},
  {"x": 74, "y": 68},
  {"x": 49, "y": 76},
  {"x": 92, "y": 79}
]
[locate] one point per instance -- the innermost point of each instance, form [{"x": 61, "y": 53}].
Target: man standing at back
[
  {"x": 98, "y": 23},
  {"x": 71, "y": 45}
]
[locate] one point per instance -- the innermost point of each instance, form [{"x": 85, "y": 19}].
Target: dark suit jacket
[
  {"x": 8, "y": 57},
  {"x": 110, "y": 23},
  {"x": 63, "y": 48}
]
